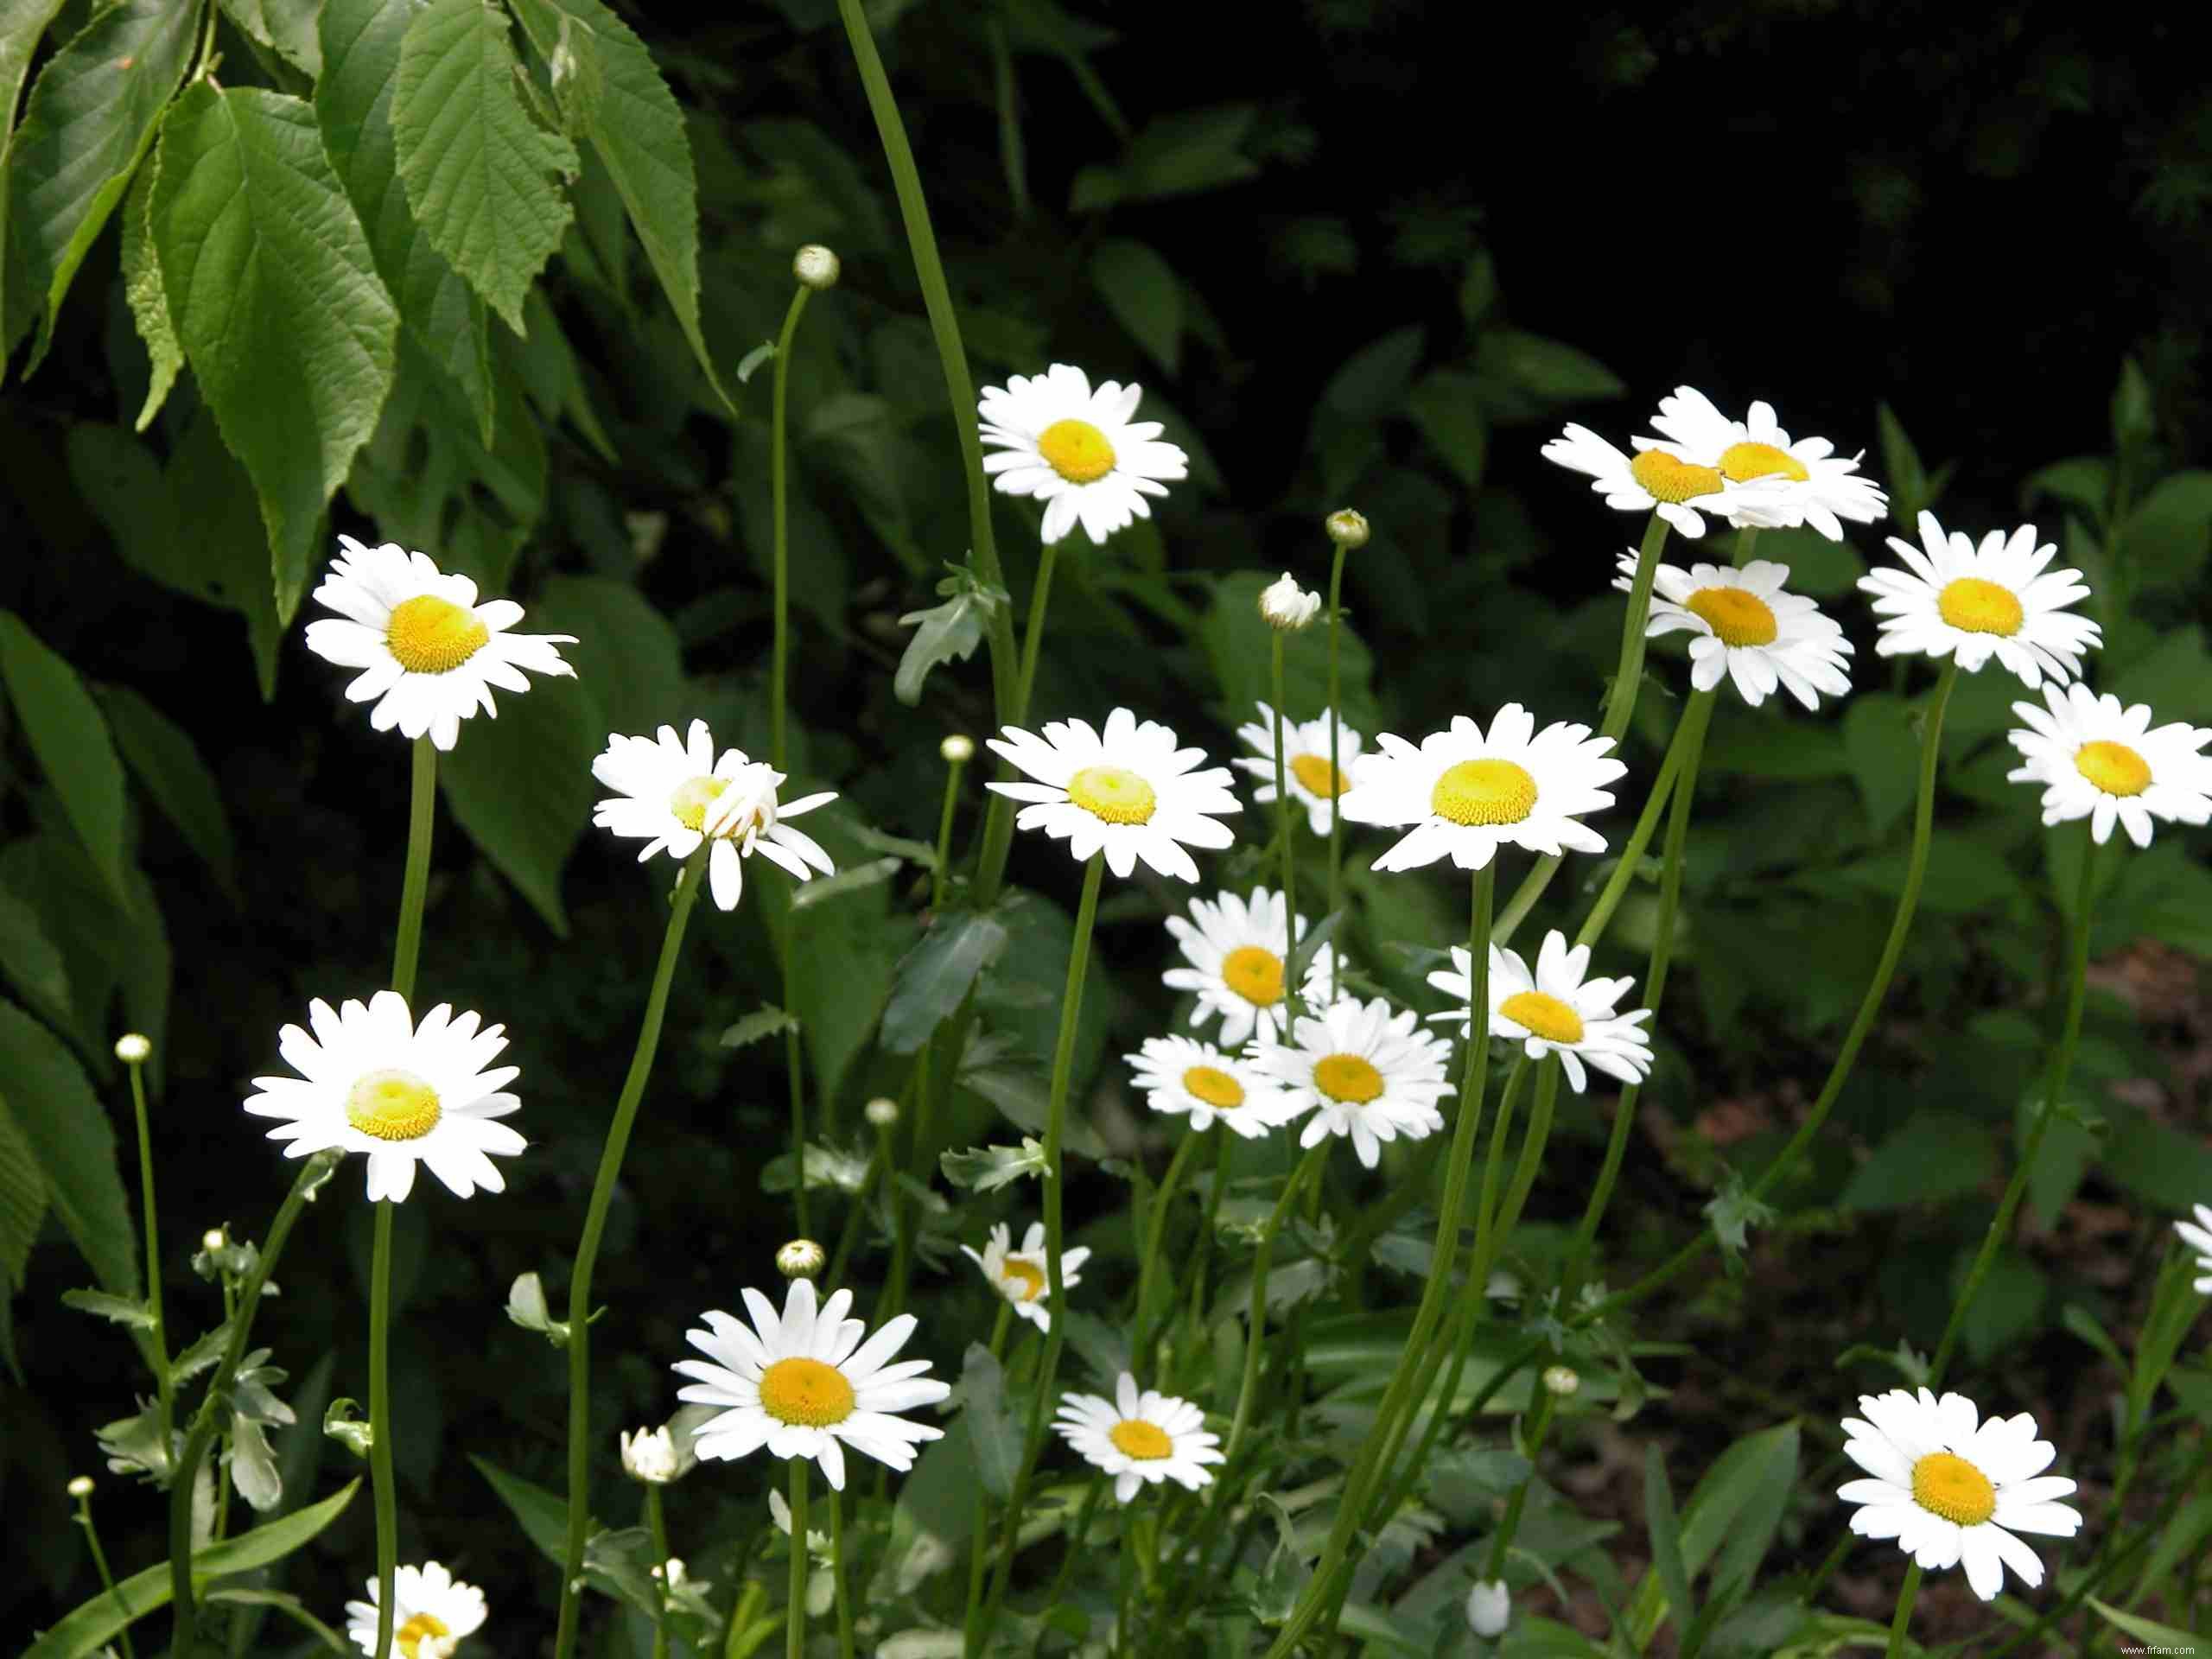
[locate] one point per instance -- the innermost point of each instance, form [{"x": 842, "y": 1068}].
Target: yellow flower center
[
  {"x": 1113, "y": 793},
  {"x": 392, "y": 1106},
  {"x": 1484, "y": 791},
  {"x": 1214, "y": 1086},
  {"x": 1348, "y": 1078},
  {"x": 1076, "y": 450},
  {"x": 1132, "y": 1437},
  {"x": 1743, "y": 461},
  {"x": 692, "y": 798},
  {"x": 430, "y": 635},
  {"x": 1669, "y": 478},
  {"x": 1972, "y": 606},
  {"x": 1946, "y": 1484},
  {"x": 423, "y": 1627},
  {"x": 805, "y": 1391},
  {"x": 2113, "y": 767},
  {"x": 1736, "y": 616},
  {"x": 1024, "y": 1280},
  {"x": 1254, "y": 974},
  {"x": 1316, "y": 776},
  {"x": 1544, "y": 1016}
]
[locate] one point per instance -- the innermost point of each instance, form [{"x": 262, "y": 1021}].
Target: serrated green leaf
[
  {"x": 986, "y": 1168},
  {"x": 285, "y": 27},
  {"x": 71, "y": 741},
  {"x": 22, "y": 1201},
  {"x": 21, "y": 24},
  {"x": 1141, "y": 289},
  {"x": 277, "y": 299},
  {"x": 944, "y": 634},
  {"x": 523, "y": 789},
  {"x": 163, "y": 756},
  {"x": 769, "y": 1022},
  {"x": 253, "y": 1466},
  {"x": 66, "y": 1126},
  {"x": 478, "y": 173},
  {"x": 149, "y": 306},
  {"x": 31, "y": 961},
  {"x": 121, "y": 1310},
  {"x": 935, "y": 977}
]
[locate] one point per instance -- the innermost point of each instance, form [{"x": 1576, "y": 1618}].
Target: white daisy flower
[
  {"x": 430, "y": 654},
  {"x": 650, "y": 1455},
  {"x": 1555, "y": 1010},
  {"x": 431, "y": 1612},
  {"x": 1236, "y": 950},
  {"x": 804, "y": 1385},
  {"x": 1953, "y": 598},
  {"x": 1657, "y": 479},
  {"x": 1363, "y": 1072},
  {"x": 1802, "y": 483},
  {"x": 1076, "y": 450},
  {"x": 1024, "y": 1277},
  {"x": 2199, "y": 1238},
  {"x": 1182, "y": 1077},
  {"x": 1746, "y": 627},
  {"x": 1305, "y": 763},
  {"x": 675, "y": 794},
  {"x": 373, "y": 1081},
  {"x": 1140, "y": 1438},
  {"x": 2098, "y": 760},
  {"x": 1129, "y": 792},
  {"x": 1951, "y": 1489},
  {"x": 1467, "y": 793}
]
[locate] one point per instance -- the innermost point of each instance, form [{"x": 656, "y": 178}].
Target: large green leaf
[
  {"x": 30, "y": 961},
  {"x": 163, "y": 755},
  {"x": 544, "y": 1519},
  {"x": 477, "y": 171},
  {"x": 277, "y": 299},
  {"x": 23, "y": 1200},
  {"x": 626, "y": 651},
  {"x": 1935, "y": 1155},
  {"x": 1141, "y": 289},
  {"x": 66, "y": 1123},
  {"x": 521, "y": 786},
  {"x": 71, "y": 740},
  {"x": 21, "y": 24},
  {"x": 89, "y": 120}
]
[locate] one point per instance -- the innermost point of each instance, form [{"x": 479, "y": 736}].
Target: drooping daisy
[
  {"x": 1024, "y": 1276},
  {"x": 430, "y": 654},
  {"x": 431, "y": 1612},
  {"x": 1953, "y": 598},
  {"x": 1129, "y": 792},
  {"x": 1182, "y": 1077},
  {"x": 1657, "y": 479},
  {"x": 1745, "y": 626},
  {"x": 1950, "y": 1489},
  {"x": 373, "y": 1080},
  {"x": 804, "y": 1385},
  {"x": 1305, "y": 766},
  {"x": 675, "y": 794},
  {"x": 1801, "y": 483},
  {"x": 1236, "y": 951},
  {"x": 1364, "y": 1071},
  {"x": 1467, "y": 793},
  {"x": 2098, "y": 760},
  {"x": 1076, "y": 450},
  {"x": 2199, "y": 1238},
  {"x": 1140, "y": 1438},
  {"x": 1555, "y": 1010}
]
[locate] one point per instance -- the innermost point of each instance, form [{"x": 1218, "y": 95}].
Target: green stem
[
  {"x": 1747, "y": 537},
  {"x": 602, "y": 1196},
  {"x": 1683, "y": 753},
  {"x": 407, "y": 944},
  {"x": 1075, "y": 1543},
  {"x": 779, "y": 494},
  {"x": 952, "y": 770},
  {"x": 1905, "y": 1599},
  {"x": 380, "y": 1432},
  {"x": 656, "y": 1524},
  {"x": 878, "y": 1170},
  {"x": 795, "y": 1613},
  {"x": 1502, "y": 1542},
  {"x": 165, "y": 1387},
  {"x": 795, "y": 1073},
  {"x": 99, "y": 1559},
  {"x": 1308, "y": 1167},
  {"x": 1282, "y": 820},
  {"x": 2054, "y": 1090},
  {"x": 844, "y": 1603},
  {"x": 1040, "y": 597},
  {"x": 1335, "y": 774},
  {"x": 1157, "y": 1230},
  {"x": 978, "y": 1535},
  {"x": 1206, "y": 1231}
]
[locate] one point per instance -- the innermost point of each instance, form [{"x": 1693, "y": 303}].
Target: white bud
[
  {"x": 671, "y": 1573},
  {"x": 957, "y": 750},
  {"x": 1561, "y": 1380},
  {"x": 650, "y": 1455},
  {"x": 133, "y": 1049},
  {"x": 1285, "y": 605},
  {"x": 1489, "y": 1606},
  {"x": 81, "y": 1486},
  {"x": 882, "y": 1111},
  {"x": 816, "y": 266},
  {"x": 800, "y": 1259},
  {"x": 213, "y": 1240},
  {"x": 1347, "y": 529}
]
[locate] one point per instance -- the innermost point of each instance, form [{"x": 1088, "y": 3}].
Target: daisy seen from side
[
  {"x": 1307, "y": 772},
  {"x": 1799, "y": 482},
  {"x": 1971, "y": 603},
  {"x": 1127, "y": 791},
  {"x": 1744, "y": 626},
  {"x": 432, "y": 1610},
  {"x": 1184, "y": 1077},
  {"x": 1555, "y": 1010},
  {"x": 2199, "y": 1238},
  {"x": 1658, "y": 480},
  {"x": 1024, "y": 1276},
  {"x": 1139, "y": 1437},
  {"x": 1362, "y": 1071},
  {"x": 1076, "y": 450},
  {"x": 2106, "y": 762},
  {"x": 1236, "y": 951}
]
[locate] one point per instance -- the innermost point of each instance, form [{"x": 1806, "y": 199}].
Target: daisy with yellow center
[
  {"x": 432, "y": 1610},
  {"x": 1953, "y": 598},
  {"x": 373, "y": 1081},
  {"x": 1951, "y": 1489},
  {"x": 1467, "y": 792},
  {"x": 1308, "y": 773},
  {"x": 805, "y": 1385},
  {"x": 1076, "y": 450},
  {"x": 1742, "y": 625},
  {"x": 1235, "y": 952},
  {"x": 674, "y": 794},
  {"x": 2098, "y": 760},
  {"x": 1139, "y": 1437},
  {"x": 1661, "y": 479},
  {"x": 1023, "y": 1276},
  {"x": 429, "y": 655},
  {"x": 1127, "y": 791},
  {"x": 1184, "y": 1078},
  {"x": 1363, "y": 1071},
  {"x": 1800, "y": 482},
  {"x": 1555, "y": 1010}
]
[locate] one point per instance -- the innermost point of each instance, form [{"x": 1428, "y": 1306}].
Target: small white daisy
[
  {"x": 650, "y": 1455},
  {"x": 1076, "y": 450},
  {"x": 1555, "y": 1010},
  {"x": 676, "y": 793},
  {"x": 431, "y": 1611},
  {"x": 1287, "y": 607},
  {"x": 1139, "y": 1437},
  {"x": 1024, "y": 1276},
  {"x": 1950, "y": 1489},
  {"x": 804, "y": 1385},
  {"x": 1182, "y": 1077},
  {"x": 1467, "y": 793},
  {"x": 1802, "y": 483},
  {"x": 2199, "y": 1238},
  {"x": 2098, "y": 760},
  {"x": 1129, "y": 792},
  {"x": 1236, "y": 950},
  {"x": 430, "y": 654},
  {"x": 1659, "y": 480},
  {"x": 1305, "y": 763},
  {"x": 1744, "y": 626},
  {"x": 373, "y": 1081},
  {"x": 1363, "y": 1072},
  {"x": 1953, "y": 598}
]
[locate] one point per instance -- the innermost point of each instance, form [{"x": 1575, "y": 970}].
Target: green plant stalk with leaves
[
  {"x": 1283, "y": 818},
  {"x": 165, "y": 1387},
  {"x": 1308, "y": 1169}
]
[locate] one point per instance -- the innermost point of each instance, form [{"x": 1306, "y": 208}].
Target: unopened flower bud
[
  {"x": 133, "y": 1049},
  {"x": 671, "y": 1573},
  {"x": 1561, "y": 1380},
  {"x": 1347, "y": 529},
  {"x": 1286, "y": 606},
  {"x": 816, "y": 266},
  {"x": 650, "y": 1455},
  {"x": 81, "y": 1486},
  {"x": 1489, "y": 1608},
  {"x": 957, "y": 750},
  {"x": 882, "y": 1111},
  {"x": 800, "y": 1259},
  {"x": 214, "y": 1239}
]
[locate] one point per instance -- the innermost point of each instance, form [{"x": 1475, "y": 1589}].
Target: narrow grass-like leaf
[
  {"x": 1666, "y": 1536},
  {"x": 71, "y": 740}
]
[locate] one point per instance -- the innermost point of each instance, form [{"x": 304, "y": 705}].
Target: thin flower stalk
[
  {"x": 795, "y": 1605},
  {"x": 1283, "y": 809},
  {"x": 1308, "y": 1167},
  {"x": 1335, "y": 764},
  {"x": 157, "y": 1338}
]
